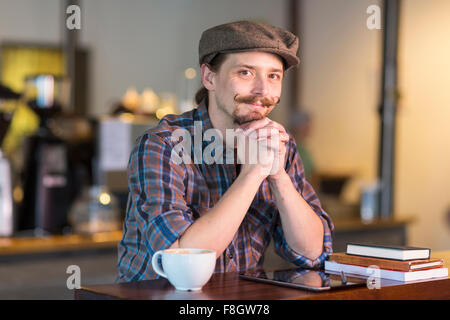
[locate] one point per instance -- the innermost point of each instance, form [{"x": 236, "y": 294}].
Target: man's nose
[{"x": 260, "y": 87}]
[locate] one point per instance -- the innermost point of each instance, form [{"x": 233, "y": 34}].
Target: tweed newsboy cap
[{"x": 243, "y": 36}]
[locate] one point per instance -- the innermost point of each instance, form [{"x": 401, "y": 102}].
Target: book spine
[
  {"x": 371, "y": 262},
  {"x": 387, "y": 264},
  {"x": 388, "y": 253},
  {"x": 386, "y": 274}
]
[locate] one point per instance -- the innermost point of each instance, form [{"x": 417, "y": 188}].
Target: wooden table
[{"x": 229, "y": 286}]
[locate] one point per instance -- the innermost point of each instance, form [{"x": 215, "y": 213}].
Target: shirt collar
[{"x": 203, "y": 116}]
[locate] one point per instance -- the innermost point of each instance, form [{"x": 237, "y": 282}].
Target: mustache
[{"x": 265, "y": 101}]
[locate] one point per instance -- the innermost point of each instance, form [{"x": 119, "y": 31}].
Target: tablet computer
[{"x": 300, "y": 278}]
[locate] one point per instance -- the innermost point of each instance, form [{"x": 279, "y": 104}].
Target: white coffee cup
[{"x": 186, "y": 269}]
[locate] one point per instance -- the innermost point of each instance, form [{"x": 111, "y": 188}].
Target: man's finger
[
  {"x": 271, "y": 142},
  {"x": 267, "y": 132},
  {"x": 278, "y": 126},
  {"x": 262, "y": 123},
  {"x": 254, "y": 125}
]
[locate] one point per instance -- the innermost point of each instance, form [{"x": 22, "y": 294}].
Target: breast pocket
[{"x": 197, "y": 193}]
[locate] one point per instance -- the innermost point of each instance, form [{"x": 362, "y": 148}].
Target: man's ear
[{"x": 207, "y": 77}]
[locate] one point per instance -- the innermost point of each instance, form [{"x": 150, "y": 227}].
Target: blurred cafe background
[{"x": 369, "y": 106}]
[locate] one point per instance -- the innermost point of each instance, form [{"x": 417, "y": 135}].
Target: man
[{"x": 234, "y": 209}]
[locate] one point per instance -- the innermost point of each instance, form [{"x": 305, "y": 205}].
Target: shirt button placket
[{"x": 230, "y": 255}]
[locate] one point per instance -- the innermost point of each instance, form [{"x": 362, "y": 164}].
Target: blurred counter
[
  {"x": 342, "y": 225},
  {"x": 61, "y": 243},
  {"x": 393, "y": 231}
]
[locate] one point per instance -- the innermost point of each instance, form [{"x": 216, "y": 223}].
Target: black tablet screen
[{"x": 303, "y": 279}]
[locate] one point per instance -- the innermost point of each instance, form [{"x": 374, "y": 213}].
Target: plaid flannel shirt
[{"x": 165, "y": 199}]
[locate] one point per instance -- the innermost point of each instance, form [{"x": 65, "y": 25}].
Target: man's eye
[
  {"x": 274, "y": 76},
  {"x": 245, "y": 72}
]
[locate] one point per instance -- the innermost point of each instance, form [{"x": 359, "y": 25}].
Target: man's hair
[{"x": 214, "y": 66}]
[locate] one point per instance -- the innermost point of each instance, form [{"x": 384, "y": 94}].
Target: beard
[{"x": 240, "y": 116}]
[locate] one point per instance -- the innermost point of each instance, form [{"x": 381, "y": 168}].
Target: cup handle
[{"x": 155, "y": 264}]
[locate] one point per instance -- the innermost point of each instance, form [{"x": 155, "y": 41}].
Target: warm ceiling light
[{"x": 190, "y": 73}]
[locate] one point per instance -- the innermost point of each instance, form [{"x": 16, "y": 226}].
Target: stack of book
[{"x": 389, "y": 262}]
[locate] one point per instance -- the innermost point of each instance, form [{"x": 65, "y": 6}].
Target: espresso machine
[
  {"x": 46, "y": 181},
  {"x": 6, "y": 199}
]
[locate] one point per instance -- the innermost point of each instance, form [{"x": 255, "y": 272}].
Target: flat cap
[{"x": 243, "y": 36}]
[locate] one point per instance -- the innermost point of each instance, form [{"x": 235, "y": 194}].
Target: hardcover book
[
  {"x": 402, "y": 253},
  {"x": 402, "y": 276},
  {"x": 409, "y": 265}
]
